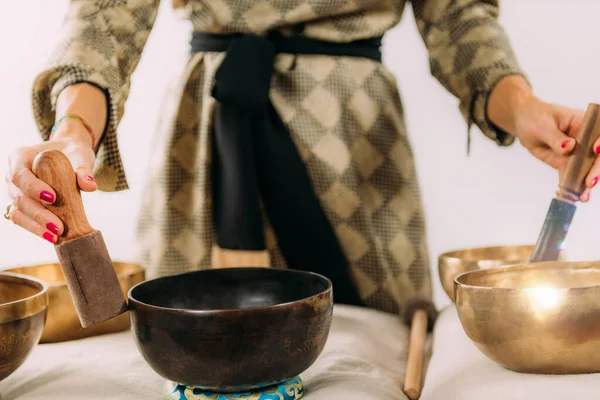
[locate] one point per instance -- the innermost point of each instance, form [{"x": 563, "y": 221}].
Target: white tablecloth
[
  {"x": 364, "y": 359},
  {"x": 458, "y": 370}
]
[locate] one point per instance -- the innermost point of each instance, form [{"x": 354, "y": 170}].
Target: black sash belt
[{"x": 255, "y": 158}]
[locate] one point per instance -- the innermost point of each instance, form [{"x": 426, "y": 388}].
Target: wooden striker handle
[
  {"x": 54, "y": 168},
  {"x": 579, "y": 163},
  {"x": 416, "y": 355}
]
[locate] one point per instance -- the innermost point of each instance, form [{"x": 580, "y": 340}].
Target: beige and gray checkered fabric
[{"x": 344, "y": 114}]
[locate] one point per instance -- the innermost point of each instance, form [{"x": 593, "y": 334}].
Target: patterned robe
[{"x": 344, "y": 114}]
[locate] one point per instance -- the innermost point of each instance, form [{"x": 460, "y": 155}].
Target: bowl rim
[
  {"x": 139, "y": 268},
  {"x": 37, "y": 304},
  {"x": 451, "y": 254},
  {"x": 544, "y": 265},
  {"x": 229, "y": 311},
  {"x": 450, "y": 260}
]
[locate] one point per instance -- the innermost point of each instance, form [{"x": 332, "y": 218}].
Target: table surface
[
  {"x": 364, "y": 359},
  {"x": 458, "y": 370}
]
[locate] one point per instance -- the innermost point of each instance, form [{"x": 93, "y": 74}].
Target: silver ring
[{"x": 10, "y": 204}]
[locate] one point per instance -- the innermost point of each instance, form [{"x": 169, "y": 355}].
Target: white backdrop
[{"x": 495, "y": 196}]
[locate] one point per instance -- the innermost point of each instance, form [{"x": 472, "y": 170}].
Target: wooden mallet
[
  {"x": 420, "y": 314},
  {"x": 84, "y": 259}
]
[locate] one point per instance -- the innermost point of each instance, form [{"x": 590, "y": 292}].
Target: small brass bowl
[
  {"x": 23, "y": 305},
  {"x": 541, "y": 318},
  {"x": 453, "y": 263},
  {"x": 63, "y": 323}
]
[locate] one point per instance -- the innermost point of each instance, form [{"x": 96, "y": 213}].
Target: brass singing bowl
[
  {"x": 63, "y": 322},
  {"x": 453, "y": 263},
  {"x": 23, "y": 305},
  {"x": 539, "y": 318}
]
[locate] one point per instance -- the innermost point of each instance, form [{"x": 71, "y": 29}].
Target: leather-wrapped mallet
[
  {"x": 81, "y": 251},
  {"x": 420, "y": 314}
]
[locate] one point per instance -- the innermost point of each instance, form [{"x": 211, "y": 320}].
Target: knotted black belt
[{"x": 255, "y": 158}]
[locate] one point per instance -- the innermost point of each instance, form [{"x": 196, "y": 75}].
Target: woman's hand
[
  {"x": 28, "y": 193},
  {"x": 546, "y": 130}
]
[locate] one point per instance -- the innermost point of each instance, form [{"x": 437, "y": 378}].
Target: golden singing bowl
[
  {"x": 535, "y": 318},
  {"x": 454, "y": 263},
  {"x": 23, "y": 305},
  {"x": 63, "y": 323}
]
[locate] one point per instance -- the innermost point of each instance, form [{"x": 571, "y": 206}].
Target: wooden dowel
[{"x": 416, "y": 355}]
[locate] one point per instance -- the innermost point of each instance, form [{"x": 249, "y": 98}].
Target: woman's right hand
[
  {"x": 29, "y": 194},
  {"x": 71, "y": 137}
]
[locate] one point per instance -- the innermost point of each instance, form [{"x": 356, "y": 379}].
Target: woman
[{"x": 309, "y": 160}]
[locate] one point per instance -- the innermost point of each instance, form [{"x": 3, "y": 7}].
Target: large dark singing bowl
[
  {"x": 232, "y": 329},
  {"x": 23, "y": 304}
]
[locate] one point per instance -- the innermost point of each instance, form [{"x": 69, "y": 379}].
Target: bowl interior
[
  {"x": 53, "y": 275},
  {"x": 15, "y": 290},
  {"x": 21, "y": 296},
  {"x": 552, "y": 274},
  {"x": 230, "y": 289}
]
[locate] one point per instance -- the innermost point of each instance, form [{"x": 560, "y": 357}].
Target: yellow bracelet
[{"x": 81, "y": 120}]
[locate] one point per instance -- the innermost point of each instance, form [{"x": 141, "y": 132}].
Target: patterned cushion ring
[{"x": 292, "y": 389}]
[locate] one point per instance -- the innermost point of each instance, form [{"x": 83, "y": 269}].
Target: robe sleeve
[
  {"x": 100, "y": 43},
  {"x": 469, "y": 53}
]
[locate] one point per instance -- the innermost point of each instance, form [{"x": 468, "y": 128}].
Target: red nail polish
[
  {"x": 47, "y": 197},
  {"x": 564, "y": 144},
  {"x": 49, "y": 237},
  {"x": 52, "y": 228},
  {"x": 594, "y": 181},
  {"x": 90, "y": 178},
  {"x": 598, "y": 150}
]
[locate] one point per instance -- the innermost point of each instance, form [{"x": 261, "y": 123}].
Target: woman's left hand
[{"x": 546, "y": 130}]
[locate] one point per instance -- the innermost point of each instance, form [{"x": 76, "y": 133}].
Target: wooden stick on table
[{"x": 420, "y": 314}]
